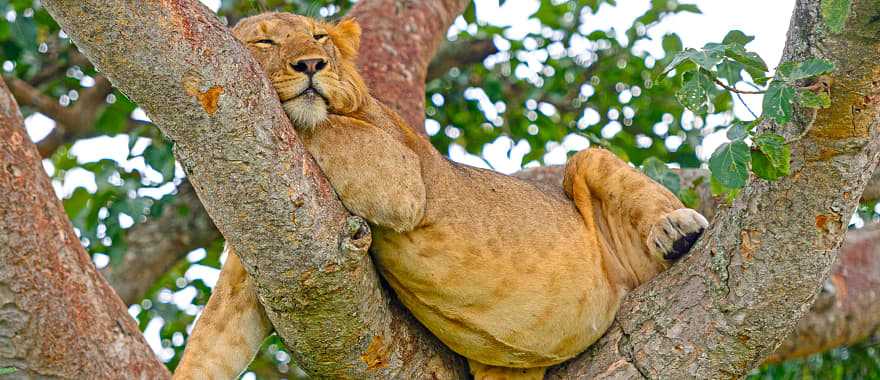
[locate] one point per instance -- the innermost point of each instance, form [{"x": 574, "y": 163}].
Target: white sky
[{"x": 769, "y": 25}]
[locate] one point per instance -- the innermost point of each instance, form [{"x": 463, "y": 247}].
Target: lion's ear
[{"x": 347, "y": 37}]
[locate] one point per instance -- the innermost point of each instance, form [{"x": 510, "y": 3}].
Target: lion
[{"x": 513, "y": 275}]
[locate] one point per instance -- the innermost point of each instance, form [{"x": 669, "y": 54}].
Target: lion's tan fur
[{"x": 506, "y": 272}]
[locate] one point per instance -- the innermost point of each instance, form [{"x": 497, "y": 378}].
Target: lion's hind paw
[{"x": 675, "y": 233}]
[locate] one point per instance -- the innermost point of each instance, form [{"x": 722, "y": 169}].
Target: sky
[{"x": 769, "y": 26}]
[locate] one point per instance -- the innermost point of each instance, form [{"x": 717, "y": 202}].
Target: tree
[{"x": 189, "y": 120}]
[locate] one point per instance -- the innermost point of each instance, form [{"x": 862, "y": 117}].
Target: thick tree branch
[
  {"x": 848, "y": 308},
  {"x": 59, "y": 318},
  {"x": 836, "y": 318},
  {"x": 261, "y": 188}
]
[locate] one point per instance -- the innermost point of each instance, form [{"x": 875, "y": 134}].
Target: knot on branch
[{"x": 356, "y": 237}]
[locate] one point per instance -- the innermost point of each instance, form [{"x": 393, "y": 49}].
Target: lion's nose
[{"x": 309, "y": 66}]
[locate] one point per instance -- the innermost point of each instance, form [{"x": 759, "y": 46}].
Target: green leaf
[
  {"x": 706, "y": 58},
  {"x": 719, "y": 190},
  {"x": 470, "y": 13},
  {"x": 690, "y": 198},
  {"x": 111, "y": 121},
  {"x": 731, "y": 71},
  {"x": 762, "y": 167},
  {"x": 672, "y": 43},
  {"x": 792, "y": 71},
  {"x": 159, "y": 157},
  {"x": 738, "y": 130},
  {"x": 658, "y": 171},
  {"x": 835, "y": 13},
  {"x": 737, "y": 37},
  {"x": 7, "y": 370},
  {"x": 773, "y": 146},
  {"x": 811, "y": 99},
  {"x": 694, "y": 93},
  {"x": 688, "y": 8},
  {"x": 730, "y": 164},
  {"x": 749, "y": 59},
  {"x": 77, "y": 202},
  {"x": 777, "y": 101}
]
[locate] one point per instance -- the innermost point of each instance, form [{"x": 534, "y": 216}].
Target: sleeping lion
[{"x": 515, "y": 276}]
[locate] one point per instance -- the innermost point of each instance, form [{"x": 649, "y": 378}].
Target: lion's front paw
[{"x": 675, "y": 233}]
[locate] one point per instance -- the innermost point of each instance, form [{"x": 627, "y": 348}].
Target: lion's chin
[{"x": 306, "y": 112}]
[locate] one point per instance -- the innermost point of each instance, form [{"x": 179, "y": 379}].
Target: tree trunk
[
  {"x": 266, "y": 195},
  {"x": 718, "y": 313},
  {"x": 58, "y": 317}
]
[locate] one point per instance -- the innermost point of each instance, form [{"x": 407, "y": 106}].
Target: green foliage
[
  {"x": 703, "y": 70},
  {"x": 694, "y": 92},
  {"x": 860, "y": 361},
  {"x": 7, "y": 370},
  {"x": 774, "y": 154},
  {"x": 659, "y": 172},
  {"x": 730, "y": 164}
]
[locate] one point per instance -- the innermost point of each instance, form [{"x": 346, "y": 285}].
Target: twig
[
  {"x": 741, "y": 100},
  {"x": 736, "y": 90}
]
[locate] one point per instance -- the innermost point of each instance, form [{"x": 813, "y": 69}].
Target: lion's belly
[{"x": 502, "y": 295}]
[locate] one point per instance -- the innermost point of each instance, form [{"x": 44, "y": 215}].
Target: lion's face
[{"x": 310, "y": 63}]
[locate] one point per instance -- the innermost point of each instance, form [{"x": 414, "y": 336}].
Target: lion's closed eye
[{"x": 264, "y": 43}]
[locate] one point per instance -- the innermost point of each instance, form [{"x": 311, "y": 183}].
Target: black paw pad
[{"x": 682, "y": 245}]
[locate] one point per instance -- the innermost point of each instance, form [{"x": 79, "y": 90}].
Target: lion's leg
[
  {"x": 661, "y": 221},
  {"x": 487, "y": 372},
  {"x": 230, "y": 330}
]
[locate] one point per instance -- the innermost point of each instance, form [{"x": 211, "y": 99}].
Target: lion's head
[{"x": 311, "y": 63}]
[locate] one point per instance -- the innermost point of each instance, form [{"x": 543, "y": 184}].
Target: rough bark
[
  {"x": 154, "y": 247},
  {"x": 848, "y": 307},
  {"x": 58, "y": 317},
  {"x": 261, "y": 188}
]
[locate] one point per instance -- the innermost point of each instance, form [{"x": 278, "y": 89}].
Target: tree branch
[
  {"x": 261, "y": 188},
  {"x": 736, "y": 90},
  {"x": 32, "y": 97},
  {"x": 848, "y": 308},
  {"x": 60, "y": 319}
]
